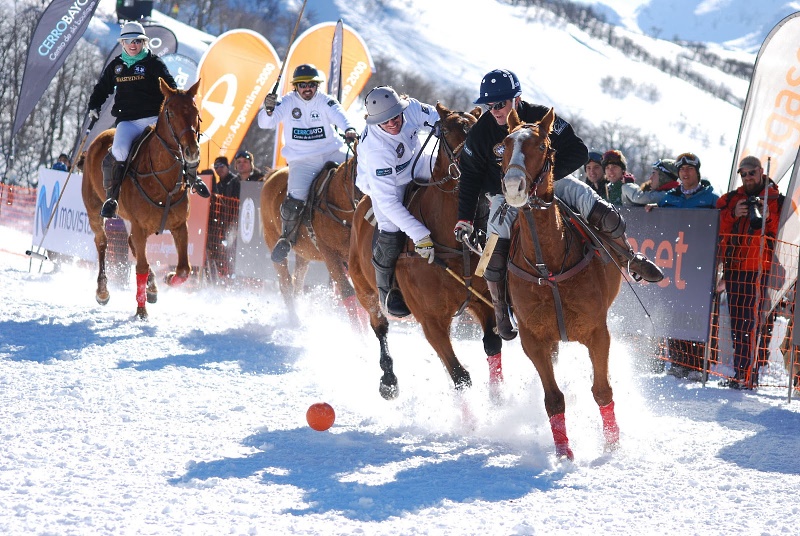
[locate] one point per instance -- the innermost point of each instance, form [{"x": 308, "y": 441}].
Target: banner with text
[
  {"x": 315, "y": 46},
  {"x": 236, "y": 73}
]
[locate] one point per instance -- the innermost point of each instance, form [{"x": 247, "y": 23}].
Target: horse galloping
[
  {"x": 323, "y": 236},
  {"x": 432, "y": 295},
  {"x": 560, "y": 288},
  {"x": 155, "y": 195}
]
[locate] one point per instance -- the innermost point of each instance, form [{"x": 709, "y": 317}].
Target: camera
[{"x": 754, "y": 212}]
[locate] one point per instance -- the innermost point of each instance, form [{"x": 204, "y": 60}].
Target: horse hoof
[
  {"x": 388, "y": 389},
  {"x": 565, "y": 453},
  {"x": 102, "y": 299},
  {"x": 141, "y": 313},
  {"x": 174, "y": 279},
  {"x": 152, "y": 297}
]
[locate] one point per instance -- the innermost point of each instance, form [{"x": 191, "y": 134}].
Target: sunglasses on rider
[
  {"x": 750, "y": 173},
  {"x": 133, "y": 41},
  {"x": 497, "y": 105},
  {"x": 306, "y": 85}
]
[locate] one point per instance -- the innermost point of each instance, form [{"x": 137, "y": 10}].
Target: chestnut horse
[
  {"x": 560, "y": 289},
  {"x": 432, "y": 294},
  {"x": 153, "y": 196},
  {"x": 332, "y": 202}
]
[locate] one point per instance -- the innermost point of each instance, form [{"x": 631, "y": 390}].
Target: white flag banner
[{"x": 770, "y": 126}]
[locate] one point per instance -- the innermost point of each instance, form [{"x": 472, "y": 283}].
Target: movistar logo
[{"x": 44, "y": 210}]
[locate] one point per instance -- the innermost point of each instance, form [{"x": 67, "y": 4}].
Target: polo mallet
[
  {"x": 288, "y": 48},
  {"x": 38, "y": 253},
  {"x": 440, "y": 263}
]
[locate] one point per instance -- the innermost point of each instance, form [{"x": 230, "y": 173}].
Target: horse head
[
  {"x": 453, "y": 128},
  {"x": 179, "y": 122},
  {"x": 528, "y": 160}
]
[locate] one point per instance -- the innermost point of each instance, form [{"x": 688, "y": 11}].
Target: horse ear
[
  {"x": 165, "y": 89},
  {"x": 476, "y": 112},
  {"x": 192, "y": 91},
  {"x": 513, "y": 120},
  {"x": 548, "y": 119},
  {"x": 443, "y": 111}
]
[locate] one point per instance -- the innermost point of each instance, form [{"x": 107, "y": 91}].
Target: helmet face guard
[
  {"x": 498, "y": 85},
  {"x": 307, "y": 73},
  {"x": 382, "y": 104}
]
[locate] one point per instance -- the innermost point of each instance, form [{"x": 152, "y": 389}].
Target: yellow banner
[
  {"x": 314, "y": 46},
  {"x": 236, "y": 73}
]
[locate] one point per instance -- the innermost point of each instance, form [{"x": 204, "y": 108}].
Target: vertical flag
[
  {"x": 57, "y": 31},
  {"x": 314, "y": 46},
  {"x": 335, "y": 76},
  {"x": 236, "y": 73}
]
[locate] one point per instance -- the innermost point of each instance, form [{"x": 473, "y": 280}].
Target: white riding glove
[
  {"x": 424, "y": 248},
  {"x": 463, "y": 229}
]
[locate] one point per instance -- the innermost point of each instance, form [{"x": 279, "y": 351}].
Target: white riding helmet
[
  {"x": 132, "y": 30},
  {"x": 382, "y": 104}
]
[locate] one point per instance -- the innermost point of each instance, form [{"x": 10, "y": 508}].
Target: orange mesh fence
[
  {"x": 223, "y": 228},
  {"x": 749, "y": 344},
  {"x": 17, "y": 207}
]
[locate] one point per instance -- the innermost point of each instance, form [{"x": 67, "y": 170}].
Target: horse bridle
[
  {"x": 195, "y": 130},
  {"x": 534, "y": 201},
  {"x": 453, "y": 171}
]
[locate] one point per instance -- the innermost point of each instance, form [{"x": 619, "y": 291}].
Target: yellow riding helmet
[{"x": 307, "y": 73}]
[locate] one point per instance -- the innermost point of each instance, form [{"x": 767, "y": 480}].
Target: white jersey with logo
[
  {"x": 307, "y": 129},
  {"x": 385, "y": 162}
]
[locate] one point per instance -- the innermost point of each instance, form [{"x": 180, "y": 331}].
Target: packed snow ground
[{"x": 194, "y": 423}]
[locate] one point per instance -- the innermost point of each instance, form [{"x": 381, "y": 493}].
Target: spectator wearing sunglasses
[
  {"x": 481, "y": 172},
  {"x": 134, "y": 74},
  {"x": 663, "y": 178},
  {"x": 229, "y": 183},
  {"x": 387, "y": 162},
  {"x": 744, "y": 219},
  {"x": 309, "y": 117}
]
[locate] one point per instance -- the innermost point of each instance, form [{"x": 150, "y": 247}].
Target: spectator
[
  {"x": 134, "y": 75},
  {"x": 310, "y": 115},
  {"x": 481, "y": 171},
  {"x": 243, "y": 163},
  {"x": 229, "y": 183},
  {"x": 63, "y": 163},
  {"x": 748, "y": 229},
  {"x": 594, "y": 173},
  {"x": 663, "y": 178},
  {"x": 693, "y": 192},
  {"x": 388, "y": 148},
  {"x": 615, "y": 166}
]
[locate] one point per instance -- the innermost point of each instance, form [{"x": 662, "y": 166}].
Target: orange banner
[
  {"x": 236, "y": 73},
  {"x": 314, "y": 46}
]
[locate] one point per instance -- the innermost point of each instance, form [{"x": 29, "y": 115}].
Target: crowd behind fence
[{"x": 774, "y": 354}]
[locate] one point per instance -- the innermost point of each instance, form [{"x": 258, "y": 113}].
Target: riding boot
[
  {"x": 199, "y": 187},
  {"x": 113, "y": 173},
  {"x": 384, "y": 259},
  {"x": 495, "y": 276},
  {"x": 605, "y": 218},
  {"x": 291, "y": 212}
]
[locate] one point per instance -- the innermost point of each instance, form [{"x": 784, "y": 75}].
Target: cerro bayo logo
[{"x": 65, "y": 27}]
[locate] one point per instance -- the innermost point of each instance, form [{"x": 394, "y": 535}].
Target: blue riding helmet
[{"x": 499, "y": 85}]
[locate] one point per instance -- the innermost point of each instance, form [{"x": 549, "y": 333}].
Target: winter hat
[
  {"x": 667, "y": 170},
  {"x": 750, "y": 162},
  {"x": 614, "y": 157},
  {"x": 688, "y": 159},
  {"x": 221, "y": 160},
  {"x": 594, "y": 156}
]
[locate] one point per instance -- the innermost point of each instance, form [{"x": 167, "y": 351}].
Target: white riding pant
[
  {"x": 302, "y": 172},
  {"x": 127, "y": 131},
  {"x": 575, "y": 193}
]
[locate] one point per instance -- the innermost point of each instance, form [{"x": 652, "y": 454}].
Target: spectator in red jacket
[{"x": 747, "y": 229}]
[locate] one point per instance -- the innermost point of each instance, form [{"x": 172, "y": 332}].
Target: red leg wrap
[
  {"x": 559, "y": 428},
  {"x": 359, "y": 319},
  {"x": 610, "y": 428},
  {"x": 141, "y": 289},
  {"x": 495, "y": 368},
  {"x": 176, "y": 280}
]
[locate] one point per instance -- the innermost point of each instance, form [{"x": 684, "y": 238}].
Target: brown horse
[
  {"x": 332, "y": 202},
  {"x": 561, "y": 290},
  {"x": 432, "y": 294},
  {"x": 154, "y": 196}
]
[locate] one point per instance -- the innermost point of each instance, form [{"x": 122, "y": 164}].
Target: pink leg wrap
[
  {"x": 610, "y": 428},
  {"x": 176, "y": 280},
  {"x": 359, "y": 319},
  {"x": 495, "y": 368},
  {"x": 141, "y": 289},
  {"x": 559, "y": 428}
]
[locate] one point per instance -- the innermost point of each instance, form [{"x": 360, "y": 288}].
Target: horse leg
[
  {"x": 285, "y": 287},
  {"x": 180, "y": 235},
  {"x": 137, "y": 241},
  {"x": 101, "y": 243},
  {"x": 492, "y": 345},
  {"x": 151, "y": 289},
  {"x": 346, "y": 292},
  {"x": 599, "y": 346},
  {"x": 542, "y": 358},
  {"x": 437, "y": 331},
  {"x": 388, "y": 387},
  {"x": 299, "y": 276}
]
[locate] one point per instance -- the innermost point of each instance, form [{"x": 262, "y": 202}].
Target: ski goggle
[
  {"x": 662, "y": 168},
  {"x": 687, "y": 159}
]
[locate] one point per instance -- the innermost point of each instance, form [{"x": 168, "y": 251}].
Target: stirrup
[
  {"x": 281, "y": 250},
  {"x": 200, "y": 188},
  {"x": 109, "y": 209}
]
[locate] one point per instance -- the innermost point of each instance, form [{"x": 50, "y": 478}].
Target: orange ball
[{"x": 320, "y": 416}]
